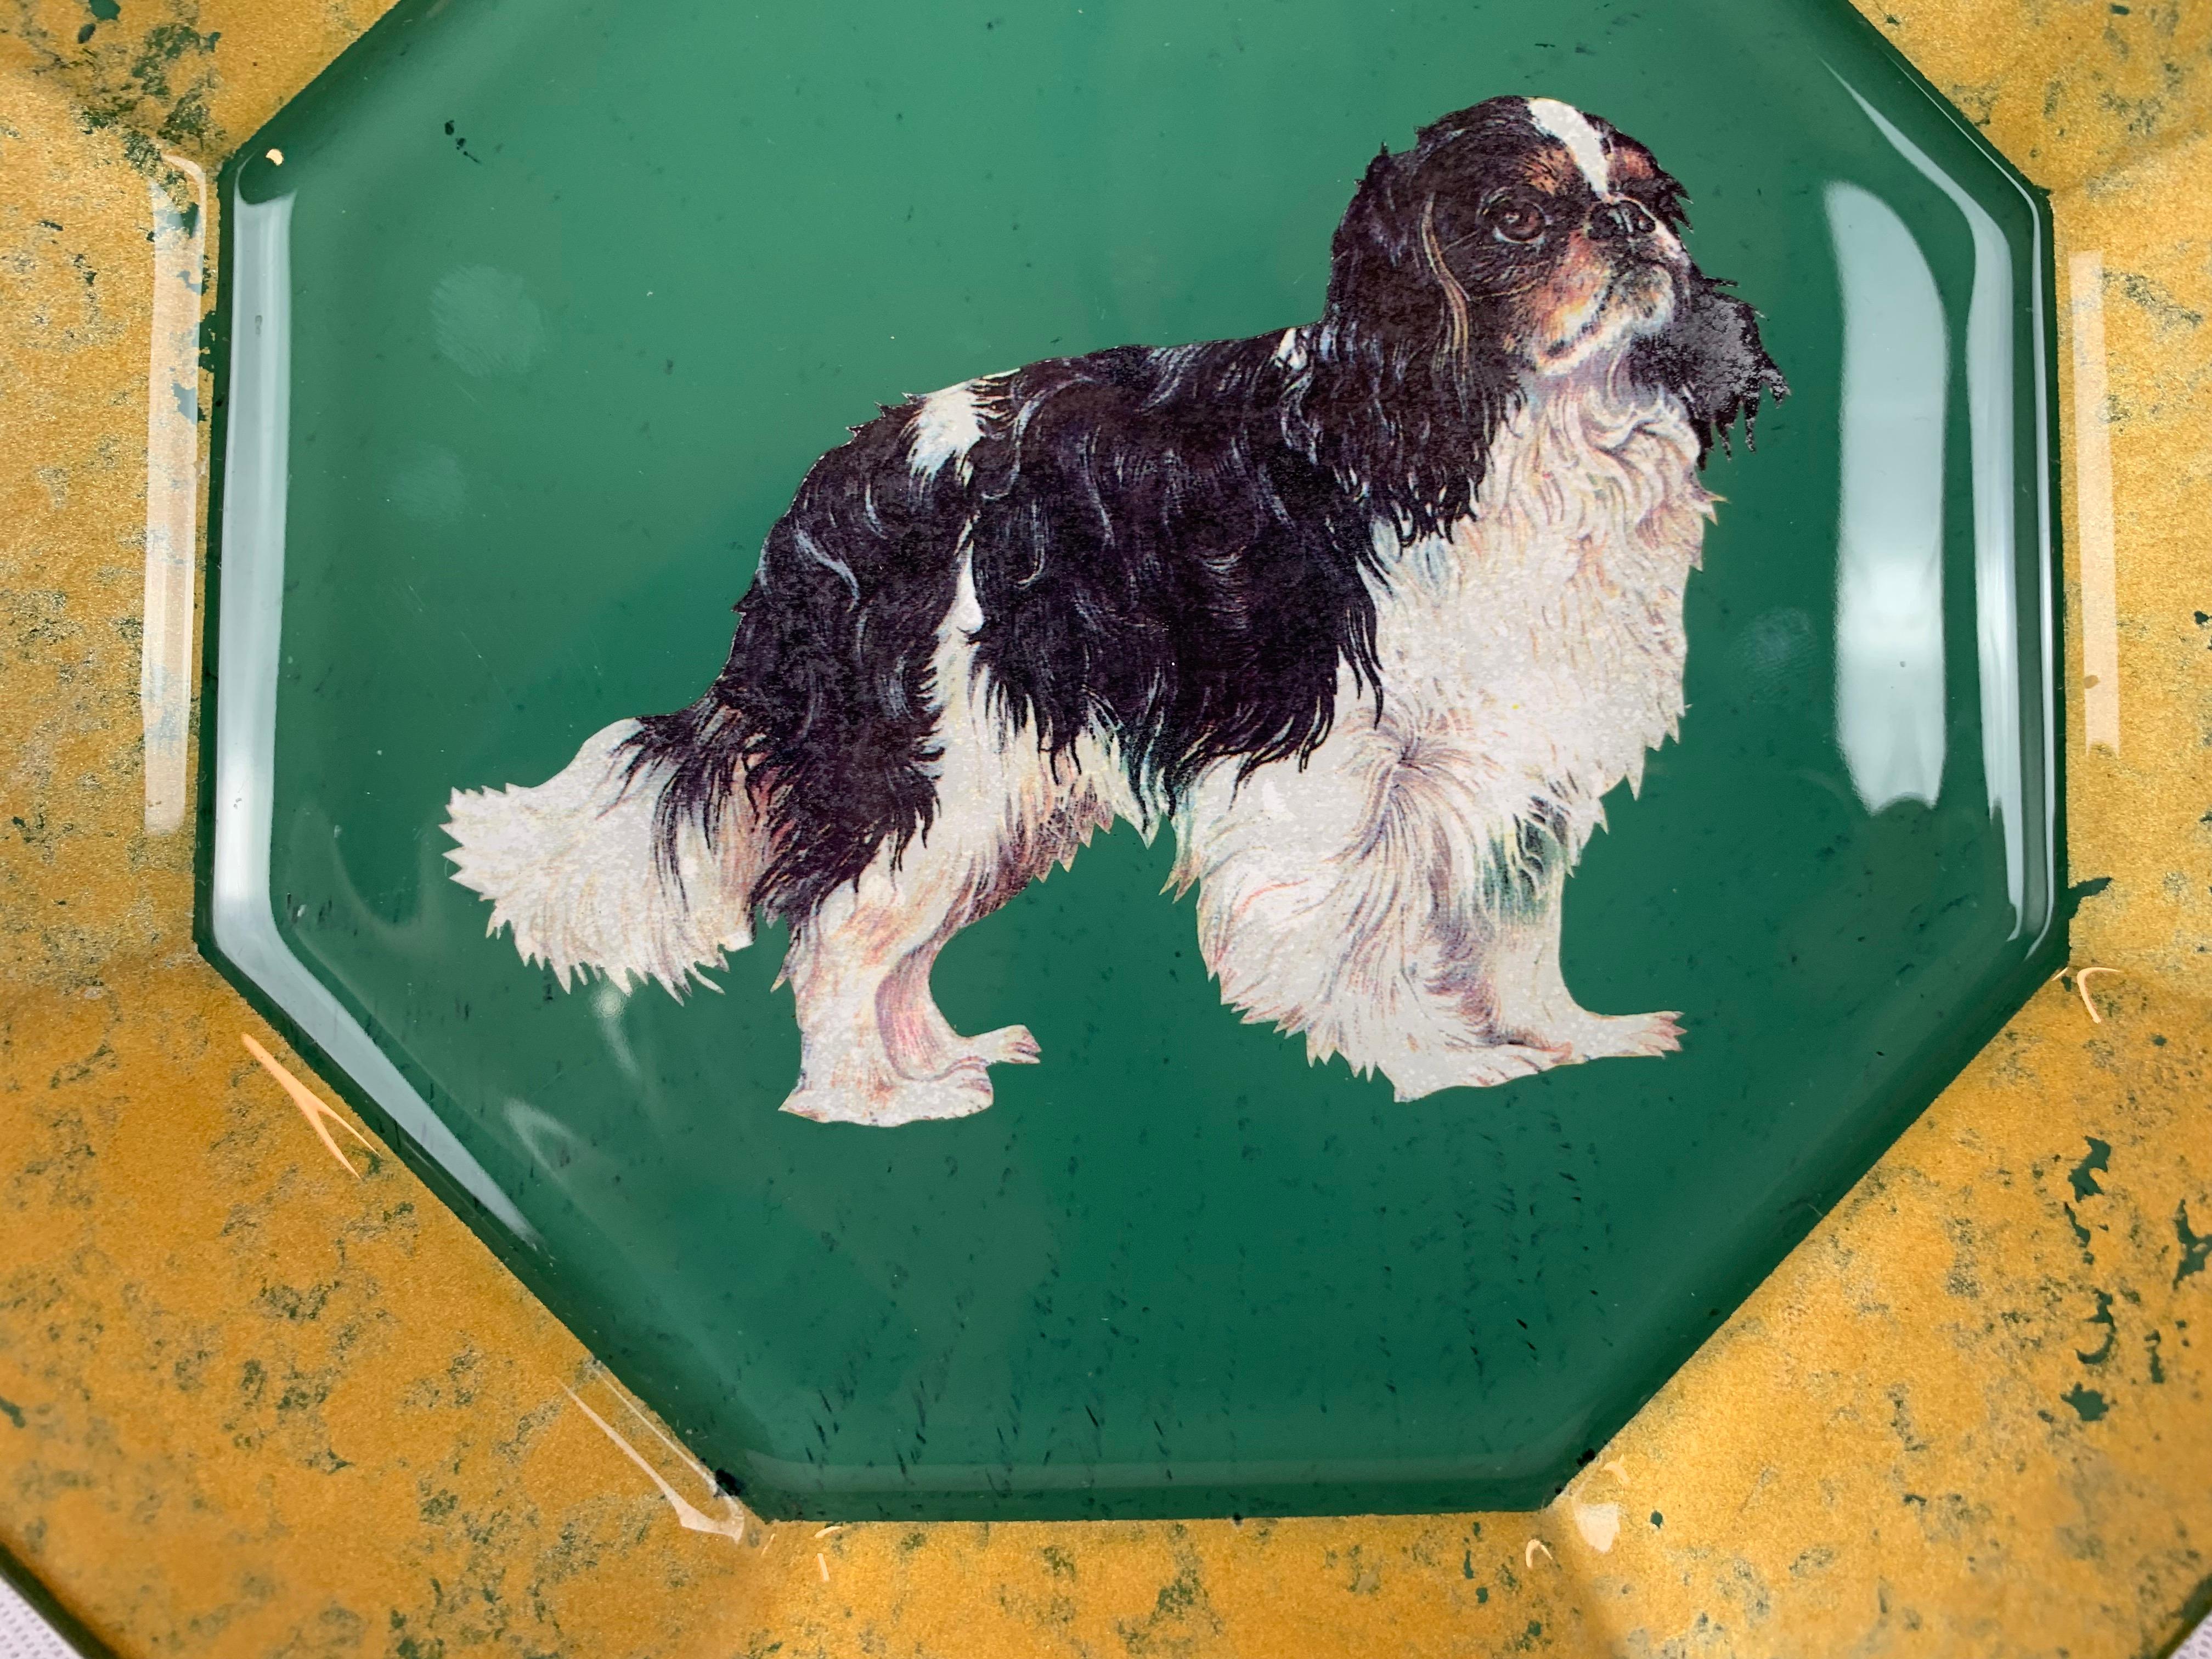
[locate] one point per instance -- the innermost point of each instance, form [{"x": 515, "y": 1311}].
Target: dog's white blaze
[
  {"x": 1290, "y": 349},
  {"x": 948, "y": 425},
  {"x": 572, "y": 864},
  {"x": 1528, "y": 661},
  {"x": 1572, "y": 128}
]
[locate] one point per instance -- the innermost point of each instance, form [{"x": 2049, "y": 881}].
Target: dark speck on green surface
[
  {"x": 2083, "y": 1177},
  {"x": 2087, "y": 1402}
]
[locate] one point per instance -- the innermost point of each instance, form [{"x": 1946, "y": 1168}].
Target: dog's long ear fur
[
  {"x": 1711, "y": 357},
  {"x": 1406, "y": 383}
]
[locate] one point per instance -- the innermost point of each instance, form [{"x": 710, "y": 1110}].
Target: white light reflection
[
  {"x": 249, "y": 634},
  {"x": 173, "y": 446},
  {"x": 608, "y": 1002},
  {"x": 2092, "y": 506},
  {"x": 1989, "y": 417},
  {"x": 1889, "y": 571}
]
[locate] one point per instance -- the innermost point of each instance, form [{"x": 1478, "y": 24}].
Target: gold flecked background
[{"x": 249, "y": 1405}]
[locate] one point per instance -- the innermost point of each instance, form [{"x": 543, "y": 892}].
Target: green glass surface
[{"x": 578, "y": 291}]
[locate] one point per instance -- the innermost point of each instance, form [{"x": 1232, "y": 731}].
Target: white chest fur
[
  {"x": 1540, "y": 645},
  {"x": 1530, "y": 659}
]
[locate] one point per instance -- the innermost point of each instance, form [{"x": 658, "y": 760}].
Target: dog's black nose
[{"x": 1619, "y": 221}]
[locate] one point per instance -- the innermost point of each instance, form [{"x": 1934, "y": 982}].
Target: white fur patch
[
  {"x": 571, "y": 865},
  {"x": 1374, "y": 897},
  {"x": 948, "y": 424},
  {"x": 1290, "y": 350},
  {"x": 1572, "y": 128}
]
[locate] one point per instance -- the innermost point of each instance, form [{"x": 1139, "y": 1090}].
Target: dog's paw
[
  {"x": 1413, "y": 1076},
  {"x": 1617, "y": 1036},
  {"x": 860, "y": 1089},
  {"x": 1010, "y": 1045},
  {"x": 884, "y": 1103}
]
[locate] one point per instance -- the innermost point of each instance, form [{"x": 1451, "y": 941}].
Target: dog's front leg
[
  {"x": 1335, "y": 900},
  {"x": 1530, "y": 998}
]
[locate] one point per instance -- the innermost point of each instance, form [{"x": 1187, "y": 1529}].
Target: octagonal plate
[{"x": 536, "y": 317}]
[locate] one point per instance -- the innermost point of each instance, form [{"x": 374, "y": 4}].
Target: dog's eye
[{"x": 1517, "y": 219}]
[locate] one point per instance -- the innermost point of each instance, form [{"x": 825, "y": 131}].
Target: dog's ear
[
  {"x": 1711, "y": 357},
  {"x": 1383, "y": 277},
  {"x": 1406, "y": 386},
  {"x": 1389, "y": 278}
]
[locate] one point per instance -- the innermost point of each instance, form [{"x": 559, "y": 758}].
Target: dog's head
[{"x": 1519, "y": 241}]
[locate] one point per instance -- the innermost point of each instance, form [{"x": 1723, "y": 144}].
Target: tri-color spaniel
[{"x": 1373, "y": 612}]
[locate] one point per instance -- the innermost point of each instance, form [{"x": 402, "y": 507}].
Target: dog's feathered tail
[{"x": 594, "y": 871}]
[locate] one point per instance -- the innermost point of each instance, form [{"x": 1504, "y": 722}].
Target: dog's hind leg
[{"x": 873, "y": 1047}]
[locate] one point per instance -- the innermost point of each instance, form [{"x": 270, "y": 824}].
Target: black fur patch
[
  {"x": 1396, "y": 405},
  {"x": 825, "y": 703},
  {"x": 1711, "y": 358},
  {"x": 1153, "y": 556}
]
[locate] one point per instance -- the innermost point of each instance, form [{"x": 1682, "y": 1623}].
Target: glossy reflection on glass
[
  {"x": 1993, "y": 317},
  {"x": 533, "y": 333},
  {"x": 1890, "y": 701}
]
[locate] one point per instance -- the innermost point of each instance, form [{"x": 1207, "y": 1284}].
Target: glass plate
[{"x": 536, "y": 316}]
